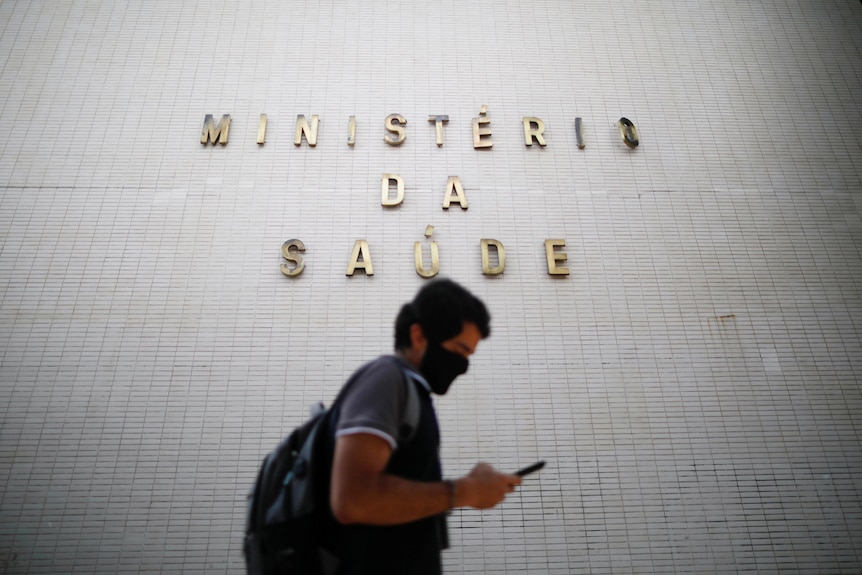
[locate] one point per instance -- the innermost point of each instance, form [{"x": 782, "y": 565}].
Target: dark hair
[{"x": 441, "y": 307}]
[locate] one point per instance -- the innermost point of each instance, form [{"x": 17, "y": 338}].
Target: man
[{"x": 387, "y": 494}]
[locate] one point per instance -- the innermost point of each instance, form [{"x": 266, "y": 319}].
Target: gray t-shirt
[{"x": 376, "y": 400}]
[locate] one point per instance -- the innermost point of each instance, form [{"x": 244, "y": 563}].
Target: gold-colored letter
[
  {"x": 386, "y": 184},
  {"x": 351, "y": 131},
  {"x": 455, "y": 190},
  {"x": 360, "y": 258},
  {"x": 261, "y": 130},
  {"x": 303, "y": 129},
  {"x": 554, "y": 257},
  {"x": 579, "y": 133},
  {"x": 481, "y": 133},
  {"x": 296, "y": 259},
  {"x": 435, "y": 256},
  {"x": 438, "y": 124},
  {"x": 435, "y": 260},
  {"x": 211, "y": 133},
  {"x": 395, "y": 123},
  {"x": 486, "y": 257},
  {"x": 628, "y": 133},
  {"x": 531, "y": 133}
]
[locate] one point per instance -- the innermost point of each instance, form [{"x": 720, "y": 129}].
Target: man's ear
[{"x": 418, "y": 341}]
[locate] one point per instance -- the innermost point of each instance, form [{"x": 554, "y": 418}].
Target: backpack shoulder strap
[{"x": 412, "y": 410}]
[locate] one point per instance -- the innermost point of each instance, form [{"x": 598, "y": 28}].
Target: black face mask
[{"x": 441, "y": 366}]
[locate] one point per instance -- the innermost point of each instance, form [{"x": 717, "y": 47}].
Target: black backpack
[{"x": 288, "y": 507}]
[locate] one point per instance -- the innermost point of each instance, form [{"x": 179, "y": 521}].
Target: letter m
[{"x": 213, "y": 133}]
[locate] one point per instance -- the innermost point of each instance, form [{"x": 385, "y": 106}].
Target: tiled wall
[{"x": 693, "y": 382}]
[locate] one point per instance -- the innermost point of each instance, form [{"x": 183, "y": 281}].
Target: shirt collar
[{"x": 411, "y": 371}]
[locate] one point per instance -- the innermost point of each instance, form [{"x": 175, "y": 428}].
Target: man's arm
[{"x": 362, "y": 493}]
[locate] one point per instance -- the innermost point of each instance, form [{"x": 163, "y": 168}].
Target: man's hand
[{"x": 484, "y": 487}]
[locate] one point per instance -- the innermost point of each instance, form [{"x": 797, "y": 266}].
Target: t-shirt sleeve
[{"x": 374, "y": 403}]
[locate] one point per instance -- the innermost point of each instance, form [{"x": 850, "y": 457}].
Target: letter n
[{"x": 304, "y": 129}]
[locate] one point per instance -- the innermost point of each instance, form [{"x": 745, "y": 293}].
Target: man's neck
[{"x": 411, "y": 356}]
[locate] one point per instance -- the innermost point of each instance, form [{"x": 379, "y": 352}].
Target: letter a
[
  {"x": 361, "y": 258},
  {"x": 455, "y": 190}
]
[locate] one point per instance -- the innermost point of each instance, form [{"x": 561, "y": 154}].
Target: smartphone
[{"x": 532, "y": 468}]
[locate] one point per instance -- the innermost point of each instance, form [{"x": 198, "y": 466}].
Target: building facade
[{"x": 212, "y": 211}]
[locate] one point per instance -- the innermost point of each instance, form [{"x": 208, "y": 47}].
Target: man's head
[{"x": 439, "y": 330}]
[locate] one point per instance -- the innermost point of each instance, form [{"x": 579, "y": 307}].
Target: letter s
[{"x": 296, "y": 259}]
